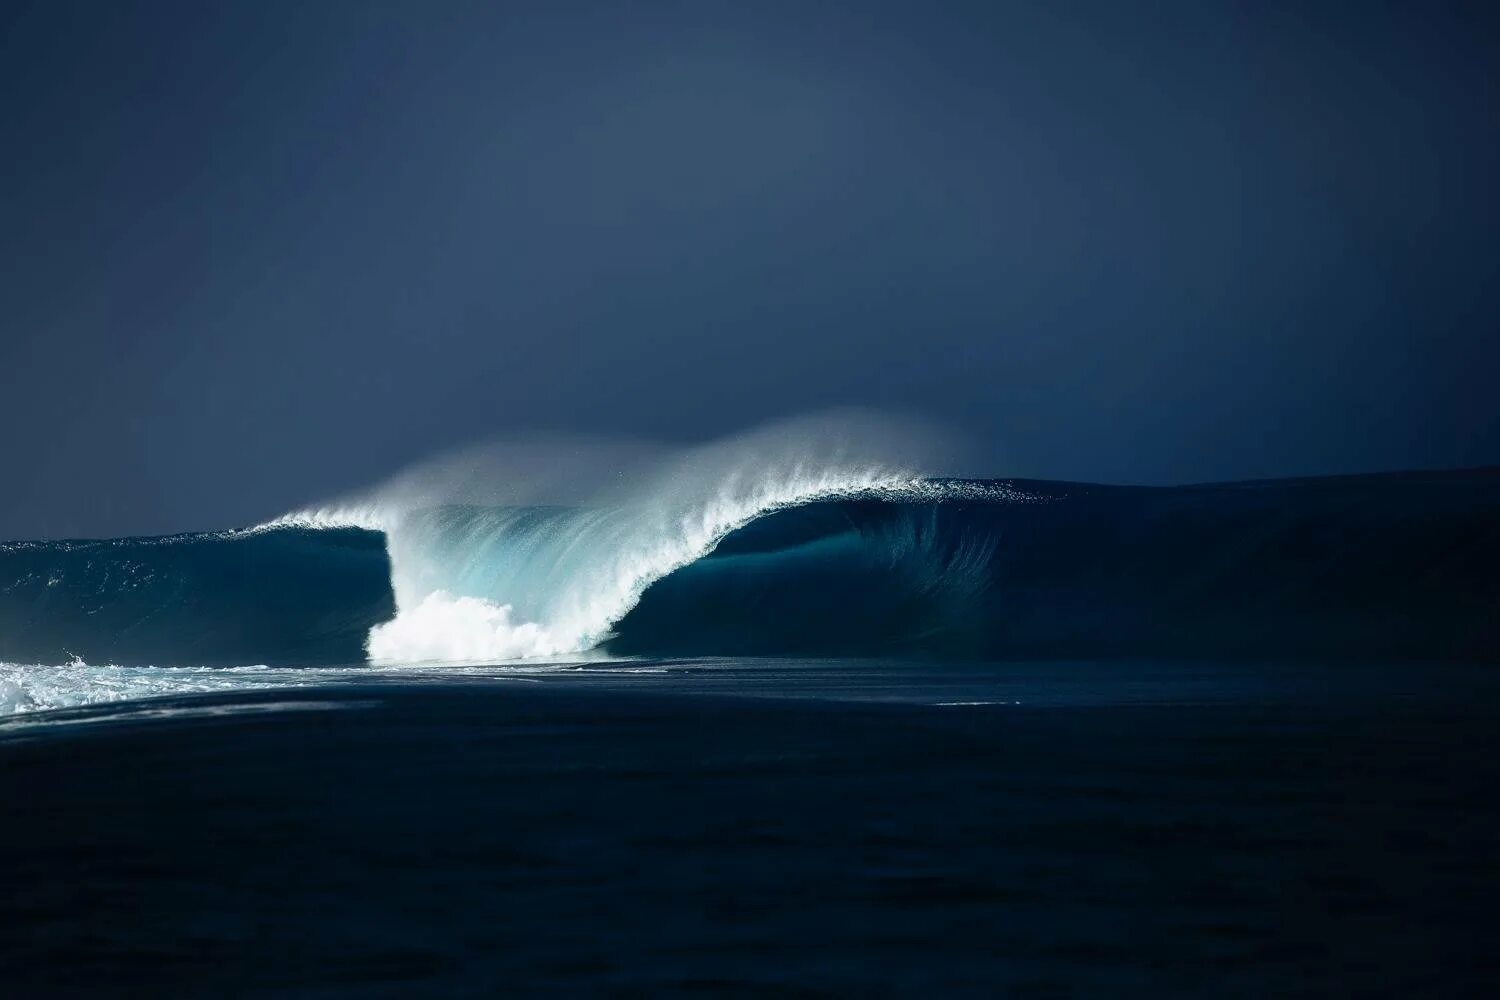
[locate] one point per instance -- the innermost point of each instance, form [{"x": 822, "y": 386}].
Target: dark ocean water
[
  {"x": 750, "y": 827},
  {"x": 934, "y": 738}
]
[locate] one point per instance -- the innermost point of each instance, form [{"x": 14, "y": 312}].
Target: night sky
[{"x": 259, "y": 253}]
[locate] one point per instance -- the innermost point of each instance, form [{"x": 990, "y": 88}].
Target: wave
[
  {"x": 484, "y": 583},
  {"x": 498, "y": 581},
  {"x": 771, "y": 545}
]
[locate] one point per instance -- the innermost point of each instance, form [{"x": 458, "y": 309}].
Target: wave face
[{"x": 861, "y": 561}]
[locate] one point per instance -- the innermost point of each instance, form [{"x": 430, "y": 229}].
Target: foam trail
[{"x": 26, "y": 688}]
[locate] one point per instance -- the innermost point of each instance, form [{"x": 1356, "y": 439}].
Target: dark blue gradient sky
[{"x": 256, "y": 253}]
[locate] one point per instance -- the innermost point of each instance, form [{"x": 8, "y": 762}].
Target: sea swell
[{"x": 1373, "y": 567}]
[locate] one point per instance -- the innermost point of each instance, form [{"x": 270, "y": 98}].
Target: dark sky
[{"x": 257, "y": 253}]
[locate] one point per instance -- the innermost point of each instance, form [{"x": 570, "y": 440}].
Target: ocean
[{"x": 854, "y": 734}]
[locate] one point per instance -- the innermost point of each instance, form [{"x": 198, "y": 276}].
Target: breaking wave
[{"x": 799, "y": 540}]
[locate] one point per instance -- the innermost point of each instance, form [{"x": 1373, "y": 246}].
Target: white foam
[{"x": 448, "y": 629}]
